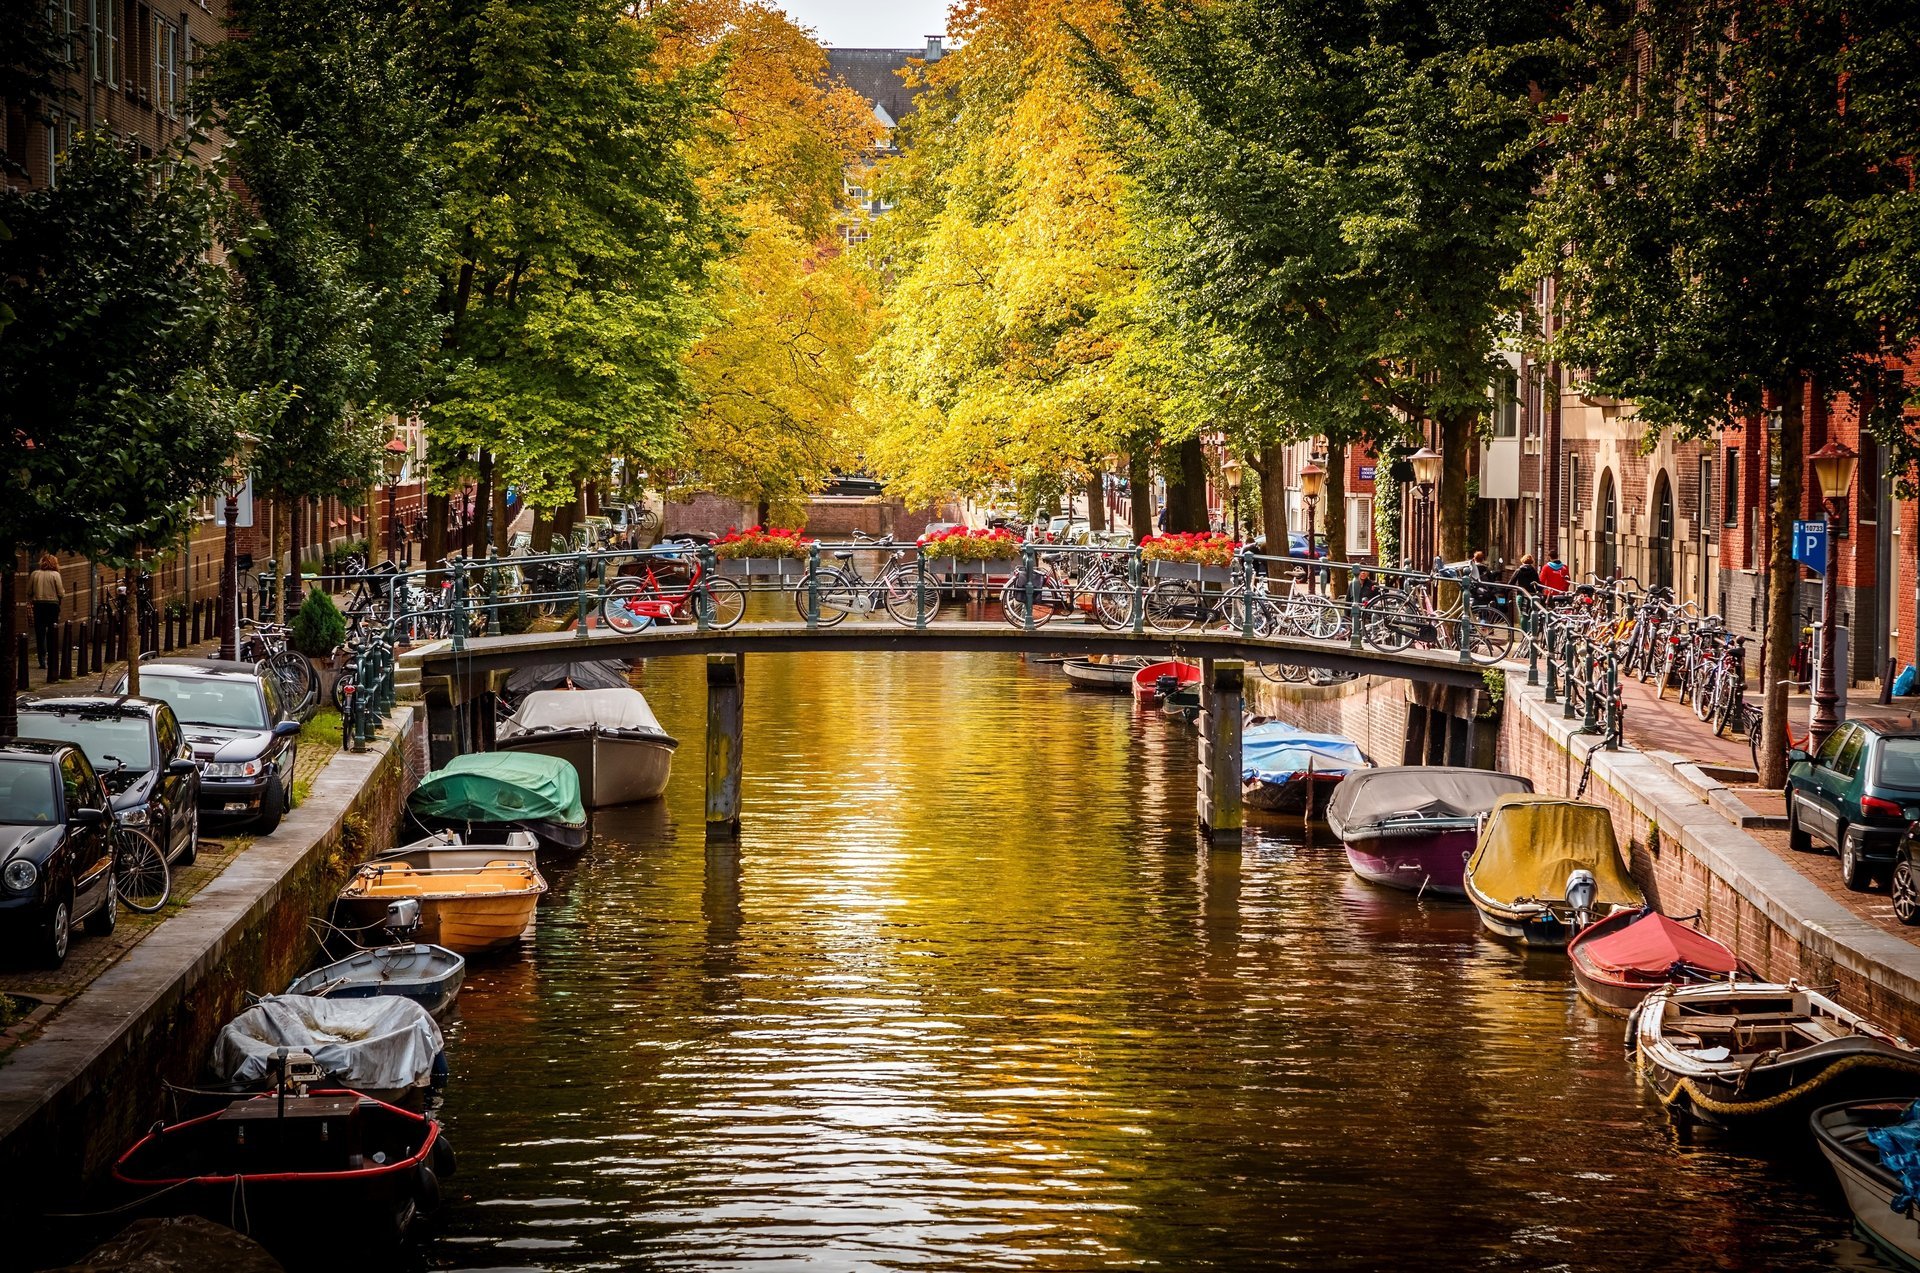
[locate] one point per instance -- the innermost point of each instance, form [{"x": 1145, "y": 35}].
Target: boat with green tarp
[{"x": 487, "y": 795}]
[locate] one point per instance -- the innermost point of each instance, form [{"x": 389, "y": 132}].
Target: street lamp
[
  {"x": 1230, "y": 471},
  {"x": 394, "y": 461},
  {"x": 1426, "y": 471},
  {"x": 1833, "y": 466},
  {"x": 239, "y": 463},
  {"x": 1313, "y": 480}
]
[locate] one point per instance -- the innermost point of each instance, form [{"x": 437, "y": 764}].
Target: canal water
[{"x": 970, "y": 994}]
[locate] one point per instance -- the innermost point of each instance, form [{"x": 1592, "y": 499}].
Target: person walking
[
  {"x": 1526, "y": 576},
  {"x": 1553, "y": 576},
  {"x": 47, "y": 589}
]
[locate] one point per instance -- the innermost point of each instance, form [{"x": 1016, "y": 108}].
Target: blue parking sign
[{"x": 1810, "y": 545}]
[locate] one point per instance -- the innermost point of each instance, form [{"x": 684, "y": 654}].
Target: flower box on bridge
[
  {"x": 763, "y": 567},
  {"x": 958, "y": 566},
  {"x": 1192, "y": 570}
]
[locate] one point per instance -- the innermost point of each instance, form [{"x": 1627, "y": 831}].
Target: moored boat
[
  {"x": 467, "y": 909},
  {"x": 385, "y": 1047},
  {"x": 1543, "y": 869},
  {"x": 1167, "y": 676},
  {"x": 1285, "y": 769},
  {"x": 1112, "y": 674},
  {"x": 610, "y": 737},
  {"x": 1617, "y": 961},
  {"x": 491, "y": 793},
  {"x": 443, "y": 849},
  {"x": 1873, "y": 1147},
  {"x": 1736, "y": 1053},
  {"x": 1413, "y": 826},
  {"x": 429, "y": 975}
]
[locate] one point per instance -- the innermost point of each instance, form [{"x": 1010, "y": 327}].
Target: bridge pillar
[
  {"x": 726, "y": 725},
  {"x": 1221, "y": 684}
]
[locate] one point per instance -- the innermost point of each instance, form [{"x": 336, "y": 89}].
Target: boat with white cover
[{"x": 610, "y": 736}]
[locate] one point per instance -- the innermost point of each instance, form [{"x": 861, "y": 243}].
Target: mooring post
[
  {"x": 726, "y": 722},
  {"x": 1221, "y": 683}
]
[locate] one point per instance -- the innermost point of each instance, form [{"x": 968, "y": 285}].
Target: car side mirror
[
  {"x": 181, "y": 768},
  {"x": 1795, "y": 756},
  {"x": 88, "y": 817},
  {"x": 286, "y": 729}
]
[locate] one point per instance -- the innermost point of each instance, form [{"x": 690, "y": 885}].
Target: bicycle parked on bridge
[
  {"x": 829, "y": 593},
  {"x": 633, "y": 603}
]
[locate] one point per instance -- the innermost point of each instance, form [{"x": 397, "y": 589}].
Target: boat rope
[
  {"x": 1586, "y": 772},
  {"x": 141, "y": 1201},
  {"x": 1691, "y": 1089}
]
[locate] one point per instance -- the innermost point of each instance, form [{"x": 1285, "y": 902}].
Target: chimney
[{"x": 934, "y": 51}]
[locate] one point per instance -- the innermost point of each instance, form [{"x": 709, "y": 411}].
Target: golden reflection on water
[{"x": 971, "y": 993}]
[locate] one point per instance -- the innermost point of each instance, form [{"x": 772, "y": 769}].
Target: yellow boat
[{"x": 469, "y": 908}]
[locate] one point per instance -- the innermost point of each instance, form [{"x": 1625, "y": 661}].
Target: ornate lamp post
[
  {"x": 238, "y": 466},
  {"x": 393, "y": 461},
  {"x": 1833, "y": 466},
  {"x": 1426, "y": 472},
  {"x": 1313, "y": 480},
  {"x": 1230, "y": 473}
]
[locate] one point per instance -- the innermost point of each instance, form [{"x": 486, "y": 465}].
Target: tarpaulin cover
[
  {"x": 1274, "y": 750},
  {"x": 603, "y": 674},
  {"x": 622, "y": 709},
  {"x": 1653, "y": 943},
  {"x": 1531, "y": 844},
  {"x": 383, "y": 1043},
  {"x": 1899, "y": 1146},
  {"x": 501, "y": 786},
  {"x": 1425, "y": 792}
]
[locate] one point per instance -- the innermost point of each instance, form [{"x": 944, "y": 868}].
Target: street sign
[
  {"x": 244, "y": 521},
  {"x": 1810, "y": 545},
  {"x": 1366, "y": 472}
]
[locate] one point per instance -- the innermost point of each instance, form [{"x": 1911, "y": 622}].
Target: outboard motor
[
  {"x": 1166, "y": 685},
  {"x": 403, "y": 916},
  {"x": 1581, "y": 892}
]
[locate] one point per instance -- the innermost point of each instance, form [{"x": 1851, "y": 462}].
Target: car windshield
[
  {"x": 1900, "y": 764},
  {"x": 26, "y": 792},
  {"x": 107, "y": 740},
  {"x": 202, "y": 700}
]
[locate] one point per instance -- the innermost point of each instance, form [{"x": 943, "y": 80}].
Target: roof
[
  {"x": 102, "y": 704},
  {"x": 18, "y": 747},
  {"x": 202, "y": 667},
  {"x": 875, "y": 75}
]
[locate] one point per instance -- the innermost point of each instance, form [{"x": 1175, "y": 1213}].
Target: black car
[
  {"x": 242, "y": 736},
  {"x": 56, "y": 847},
  {"x": 140, "y": 753}
]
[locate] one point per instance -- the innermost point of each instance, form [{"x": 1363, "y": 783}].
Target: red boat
[
  {"x": 1619, "y": 960},
  {"x": 1146, "y": 682}
]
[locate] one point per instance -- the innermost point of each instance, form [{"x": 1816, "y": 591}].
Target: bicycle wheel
[
  {"x": 1726, "y": 706},
  {"x": 1705, "y": 678},
  {"x": 298, "y": 680},
  {"x": 617, "y": 607},
  {"x": 908, "y": 599},
  {"x": 830, "y": 591},
  {"x": 140, "y": 874},
  {"x": 1492, "y": 637},
  {"x": 1033, "y": 600},
  {"x": 1317, "y": 618},
  {"x": 1113, "y": 599},
  {"x": 1173, "y": 605},
  {"x": 720, "y": 602},
  {"x": 1388, "y": 622}
]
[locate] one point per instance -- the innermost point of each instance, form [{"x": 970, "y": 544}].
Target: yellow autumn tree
[{"x": 790, "y": 316}]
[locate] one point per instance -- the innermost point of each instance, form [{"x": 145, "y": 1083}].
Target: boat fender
[
  {"x": 1633, "y": 1029},
  {"x": 443, "y": 1159},
  {"x": 439, "y": 1073},
  {"x": 426, "y": 1194}
]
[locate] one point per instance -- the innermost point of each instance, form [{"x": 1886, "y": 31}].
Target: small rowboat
[
  {"x": 301, "y": 1162},
  {"x": 1544, "y": 869},
  {"x": 1620, "y": 959},
  {"x": 1863, "y": 1142},
  {"x": 428, "y": 975},
  {"x": 1114, "y": 675},
  {"x": 467, "y": 909},
  {"x": 385, "y": 1047},
  {"x": 1737, "y": 1053},
  {"x": 1285, "y": 769},
  {"x": 1147, "y": 680},
  {"x": 610, "y": 737},
  {"x": 1412, "y": 827}
]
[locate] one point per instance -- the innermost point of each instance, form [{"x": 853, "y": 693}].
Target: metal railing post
[
  {"x": 1533, "y": 640},
  {"x": 1613, "y": 693},
  {"x": 1589, "y": 718},
  {"x": 1553, "y": 689},
  {"x": 1026, "y": 580},
  {"x": 1570, "y": 691},
  {"x": 920, "y": 615},
  {"x": 580, "y": 593},
  {"x": 1245, "y": 563},
  {"x": 487, "y": 584},
  {"x": 1136, "y": 597},
  {"x": 813, "y": 584},
  {"x": 459, "y": 622},
  {"x": 1466, "y": 622},
  {"x": 703, "y": 605},
  {"x": 1353, "y": 600}
]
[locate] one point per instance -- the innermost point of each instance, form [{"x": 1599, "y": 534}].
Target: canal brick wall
[
  {"x": 78, "y": 1094},
  {"x": 1371, "y": 710}
]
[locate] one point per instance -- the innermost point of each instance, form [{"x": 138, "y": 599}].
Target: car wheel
[
  {"x": 1906, "y": 892},
  {"x": 57, "y": 934},
  {"x": 1797, "y": 838},
  {"x": 104, "y": 920},
  {"x": 191, "y": 849},
  {"x": 1853, "y": 872},
  {"x": 273, "y": 806}
]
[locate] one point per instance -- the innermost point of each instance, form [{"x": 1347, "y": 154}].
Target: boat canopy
[
  {"x": 384, "y": 1043},
  {"x": 502, "y": 786},
  {"x": 1653, "y": 944},
  {"x": 1531, "y": 844},
  {"x": 583, "y": 674},
  {"x": 610, "y": 709},
  {"x": 1418, "y": 793},
  {"x": 1273, "y": 750}
]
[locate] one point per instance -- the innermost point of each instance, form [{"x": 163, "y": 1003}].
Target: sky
[{"x": 870, "y": 24}]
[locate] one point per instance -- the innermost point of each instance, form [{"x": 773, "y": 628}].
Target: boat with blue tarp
[{"x": 1286, "y": 769}]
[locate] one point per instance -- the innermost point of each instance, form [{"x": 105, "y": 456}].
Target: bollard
[
  {"x": 97, "y": 643},
  {"x": 22, "y": 648},
  {"x": 64, "y": 666},
  {"x": 193, "y": 622}
]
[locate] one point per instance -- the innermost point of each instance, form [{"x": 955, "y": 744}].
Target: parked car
[
  {"x": 856, "y": 485},
  {"x": 1062, "y": 529},
  {"x": 1857, "y": 795},
  {"x": 242, "y": 736},
  {"x": 56, "y": 848},
  {"x": 138, "y": 749}
]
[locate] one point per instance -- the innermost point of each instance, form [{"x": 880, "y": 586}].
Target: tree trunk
[
  {"x": 1336, "y": 500},
  {"x": 434, "y": 550},
  {"x": 476, "y": 529},
  {"x": 1187, "y": 488},
  {"x": 1458, "y": 436},
  {"x": 1273, "y": 498},
  {"x": 290, "y": 598},
  {"x": 542, "y": 531},
  {"x": 130, "y": 624},
  {"x": 1140, "y": 492},
  {"x": 1782, "y": 582},
  {"x": 502, "y": 522},
  {"x": 10, "y": 635},
  {"x": 1097, "y": 501},
  {"x": 761, "y": 513},
  {"x": 566, "y": 517}
]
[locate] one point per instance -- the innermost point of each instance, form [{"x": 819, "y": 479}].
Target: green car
[{"x": 1857, "y": 795}]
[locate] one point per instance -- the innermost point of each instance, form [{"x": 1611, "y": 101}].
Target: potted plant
[
  {"x": 775, "y": 552},
  {"x": 960, "y": 551},
  {"x": 1202, "y": 556}
]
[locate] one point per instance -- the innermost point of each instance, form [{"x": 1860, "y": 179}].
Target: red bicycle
[{"x": 636, "y": 602}]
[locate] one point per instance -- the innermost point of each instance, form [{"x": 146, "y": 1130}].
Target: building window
[
  {"x": 1359, "y": 525},
  {"x": 1573, "y": 490},
  {"x": 1869, "y": 480},
  {"x": 1506, "y": 409},
  {"x": 166, "y": 65},
  {"x": 53, "y": 156},
  {"x": 1730, "y": 508},
  {"x": 1705, "y": 504}
]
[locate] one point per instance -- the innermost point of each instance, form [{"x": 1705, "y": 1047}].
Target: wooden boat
[
  {"x": 1285, "y": 769},
  {"x": 386, "y": 1047},
  {"x": 609, "y": 736},
  {"x": 1617, "y": 961},
  {"x": 1413, "y": 826},
  {"x": 302, "y": 1162},
  {"x": 429, "y": 975},
  {"x": 1738, "y": 1052},
  {"x": 467, "y": 909},
  {"x": 443, "y": 849},
  {"x": 1879, "y": 1197},
  {"x": 1543, "y": 869},
  {"x": 504, "y": 791},
  {"x": 1114, "y": 675},
  {"x": 1146, "y": 680}
]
